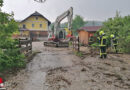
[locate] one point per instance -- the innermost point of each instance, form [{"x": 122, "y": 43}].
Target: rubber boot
[{"x": 105, "y": 56}]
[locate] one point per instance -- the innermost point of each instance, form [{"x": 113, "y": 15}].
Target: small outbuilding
[{"x": 86, "y": 32}]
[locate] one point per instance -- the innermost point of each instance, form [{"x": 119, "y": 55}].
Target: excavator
[{"x": 61, "y": 36}]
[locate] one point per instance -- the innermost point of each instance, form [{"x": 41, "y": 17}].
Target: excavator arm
[{"x": 69, "y": 15}]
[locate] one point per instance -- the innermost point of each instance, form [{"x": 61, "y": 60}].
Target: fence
[
  {"x": 26, "y": 46},
  {"x": 76, "y": 44}
]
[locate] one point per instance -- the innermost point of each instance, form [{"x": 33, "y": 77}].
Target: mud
[
  {"x": 60, "y": 69},
  {"x": 93, "y": 74}
]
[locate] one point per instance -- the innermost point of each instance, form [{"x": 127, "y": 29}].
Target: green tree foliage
[
  {"x": 78, "y": 22},
  {"x": 1, "y": 3},
  {"x": 9, "y": 51},
  {"x": 120, "y": 26}
]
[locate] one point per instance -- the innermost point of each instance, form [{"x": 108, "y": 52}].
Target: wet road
[
  {"x": 91, "y": 73},
  {"x": 47, "y": 59}
]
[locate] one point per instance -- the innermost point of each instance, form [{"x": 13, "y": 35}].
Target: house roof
[
  {"x": 90, "y": 28},
  {"x": 37, "y": 14}
]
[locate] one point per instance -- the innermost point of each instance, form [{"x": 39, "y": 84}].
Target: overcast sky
[{"x": 89, "y": 9}]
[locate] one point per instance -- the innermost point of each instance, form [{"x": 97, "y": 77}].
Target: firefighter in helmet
[
  {"x": 102, "y": 44},
  {"x": 114, "y": 42}
]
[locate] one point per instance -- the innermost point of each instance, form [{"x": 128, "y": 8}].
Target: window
[
  {"x": 32, "y": 25},
  {"x": 40, "y": 25},
  {"x": 24, "y": 26},
  {"x": 36, "y": 18}
]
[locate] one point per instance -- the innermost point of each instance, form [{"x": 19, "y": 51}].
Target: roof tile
[{"x": 90, "y": 28}]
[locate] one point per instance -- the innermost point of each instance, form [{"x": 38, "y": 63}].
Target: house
[
  {"x": 86, "y": 32},
  {"x": 35, "y": 26}
]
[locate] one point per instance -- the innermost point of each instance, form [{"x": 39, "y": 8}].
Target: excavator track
[
  {"x": 3, "y": 89},
  {"x": 56, "y": 44}
]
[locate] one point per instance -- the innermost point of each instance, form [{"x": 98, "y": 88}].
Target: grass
[{"x": 80, "y": 54}]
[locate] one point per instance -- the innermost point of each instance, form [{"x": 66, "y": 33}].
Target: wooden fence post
[
  {"x": 27, "y": 46},
  {"x": 78, "y": 45},
  {"x": 31, "y": 44},
  {"x": 19, "y": 43}
]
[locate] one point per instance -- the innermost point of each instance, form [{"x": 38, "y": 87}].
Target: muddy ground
[{"x": 60, "y": 69}]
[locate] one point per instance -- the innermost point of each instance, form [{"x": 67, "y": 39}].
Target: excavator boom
[{"x": 69, "y": 15}]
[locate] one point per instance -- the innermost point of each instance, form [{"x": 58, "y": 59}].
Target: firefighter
[
  {"x": 114, "y": 42},
  {"x": 102, "y": 44}
]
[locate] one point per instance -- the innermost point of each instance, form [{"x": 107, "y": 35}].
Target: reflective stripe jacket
[
  {"x": 102, "y": 41},
  {"x": 115, "y": 42}
]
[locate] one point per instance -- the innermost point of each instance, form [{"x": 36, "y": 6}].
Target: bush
[
  {"x": 10, "y": 59},
  {"x": 120, "y": 27},
  {"x": 10, "y": 56},
  {"x": 95, "y": 45}
]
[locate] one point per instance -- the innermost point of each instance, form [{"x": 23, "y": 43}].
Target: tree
[
  {"x": 120, "y": 27},
  {"x": 9, "y": 51},
  {"x": 77, "y": 22},
  {"x": 1, "y": 3}
]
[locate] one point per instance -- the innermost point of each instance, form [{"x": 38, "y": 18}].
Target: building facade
[{"x": 35, "y": 26}]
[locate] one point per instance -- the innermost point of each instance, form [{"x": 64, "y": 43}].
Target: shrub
[
  {"x": 10, "y": 57},
  {"x": 120, "y": 27}
]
